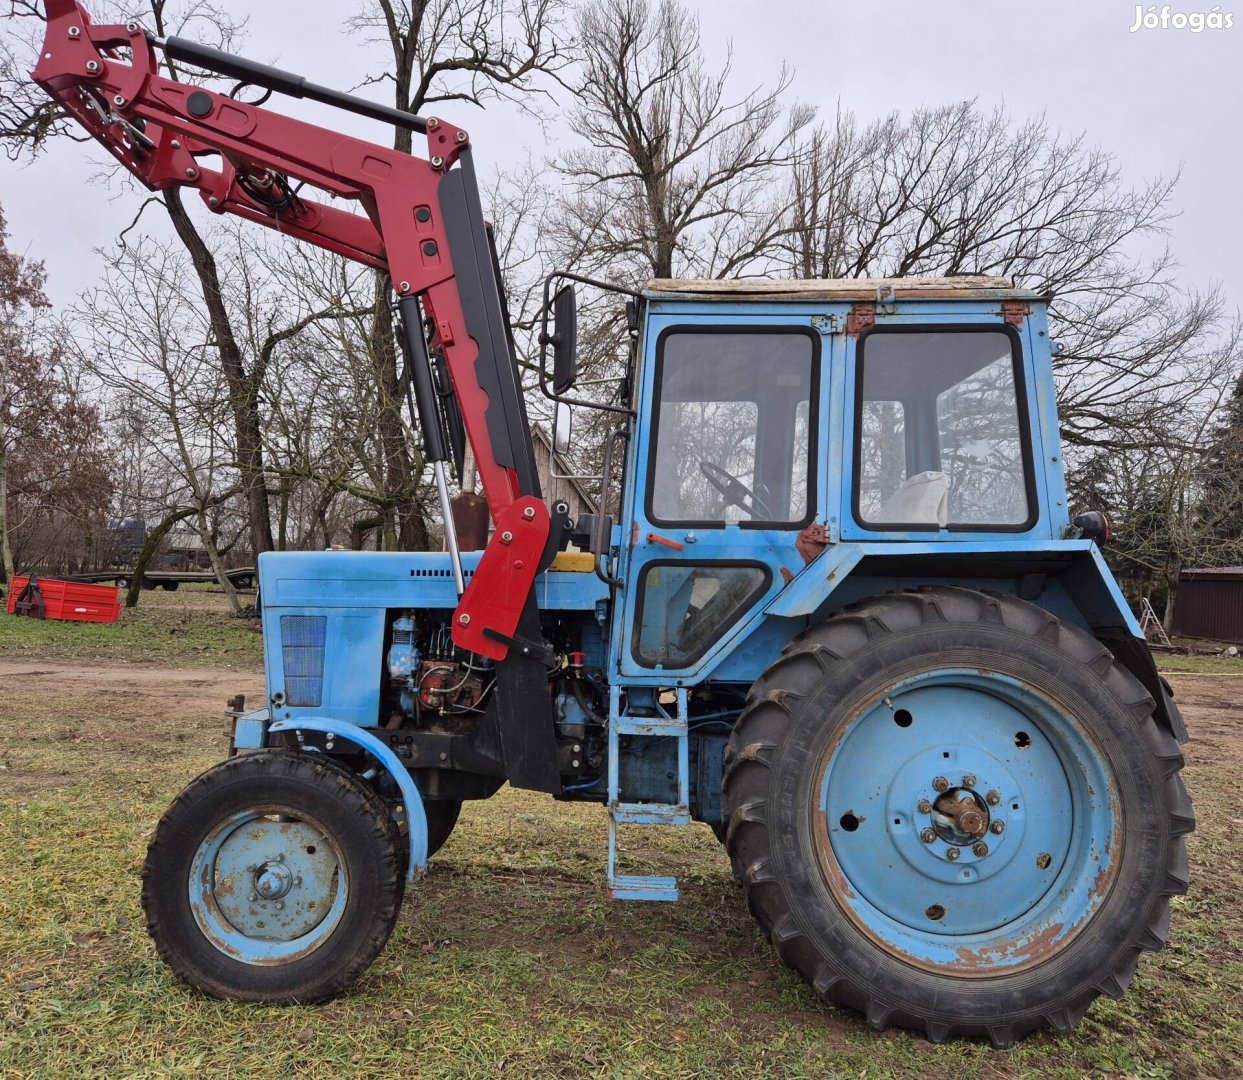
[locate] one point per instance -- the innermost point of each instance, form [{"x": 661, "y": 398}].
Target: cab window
[
  {"x": 940, "y": 441},
  {"x": 733, "y": 438}
]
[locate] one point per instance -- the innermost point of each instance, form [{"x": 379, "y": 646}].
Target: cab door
[{"x": 723, "y": 477}]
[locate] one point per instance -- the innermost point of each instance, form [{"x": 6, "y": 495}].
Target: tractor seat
[{"x": 923, "y": 499}]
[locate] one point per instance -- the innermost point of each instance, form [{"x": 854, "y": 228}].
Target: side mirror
[
  {"x": 564, "y": 340},
  {"x": 562, "y": 427}
]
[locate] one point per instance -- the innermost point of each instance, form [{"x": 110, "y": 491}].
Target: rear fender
[{"x": 1070, "y": 579}]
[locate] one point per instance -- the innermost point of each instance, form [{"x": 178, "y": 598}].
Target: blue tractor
[{"x": 840, "y": 612}]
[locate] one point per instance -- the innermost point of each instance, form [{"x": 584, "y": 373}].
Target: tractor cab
[{"x": 777, "y": 421}]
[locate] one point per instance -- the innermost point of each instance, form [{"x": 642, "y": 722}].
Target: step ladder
[
  {"x": 1147, "y": 618},
  {"x": 661, "y": 724}
]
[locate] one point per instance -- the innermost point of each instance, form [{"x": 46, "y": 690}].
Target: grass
[
  {"x": 1203, "y": 665},
  {"x": 508, "y": 958},
  {"x": 190, "y": 627}
]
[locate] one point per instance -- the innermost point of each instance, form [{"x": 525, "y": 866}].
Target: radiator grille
[{"x": 302, "y": 653}]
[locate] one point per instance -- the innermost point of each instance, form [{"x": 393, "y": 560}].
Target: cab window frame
[
  {"x": 1021, "y": 401},
  {"x": 813, "y": 427}
]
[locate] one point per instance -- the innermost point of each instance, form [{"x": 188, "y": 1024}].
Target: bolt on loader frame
[{"x": 841, "y": 613}]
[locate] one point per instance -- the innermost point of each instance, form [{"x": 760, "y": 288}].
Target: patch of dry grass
[
  {"x": 509, "y": 958},
  {"x": 192, "y": 626}
]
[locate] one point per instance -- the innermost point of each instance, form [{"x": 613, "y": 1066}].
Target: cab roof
[{"x": 964, "y": 287}]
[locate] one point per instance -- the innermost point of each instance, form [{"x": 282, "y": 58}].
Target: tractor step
[
  {"x": 643, "y": 887},
  {"x": 659, "y": 725},
  {"x": 650, "y": 813}
]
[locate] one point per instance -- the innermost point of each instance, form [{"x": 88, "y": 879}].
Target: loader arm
[{"x": 420, "y": 220}]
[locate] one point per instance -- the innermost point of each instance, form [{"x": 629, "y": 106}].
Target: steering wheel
[{"x": 735, "y": 492}]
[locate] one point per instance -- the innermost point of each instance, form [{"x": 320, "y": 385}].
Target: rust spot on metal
[
  {"x": 1015, "y": 955},
  {"x": 861, "y": 317},
  {"x": 1015, "y": 311},
  {"x": 966, "y": 814},
  {"x": 836, "y": 880}
]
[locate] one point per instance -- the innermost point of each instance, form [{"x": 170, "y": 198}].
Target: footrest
[
  {"x": 650, "y": 814},
  {"x": 648, "y": 725},
  {"x": 643, "y": 887}
]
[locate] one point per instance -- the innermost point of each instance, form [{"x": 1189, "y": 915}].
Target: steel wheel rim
[
  {"x": 1042, "y": 874},
  {"x": 268, "y": 886}
]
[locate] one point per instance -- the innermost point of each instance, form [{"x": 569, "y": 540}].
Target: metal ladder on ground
[
  {"x": 660, "y": 724},
  {"x": 1147, "y": 618}
]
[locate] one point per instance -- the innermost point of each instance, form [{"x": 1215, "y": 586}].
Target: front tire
[
  {"x": 273, "y": 877},
  {"x": 956, "y": 814}
]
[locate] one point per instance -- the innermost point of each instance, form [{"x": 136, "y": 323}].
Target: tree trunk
[
  {"x": 404, "y": 523},
  {"x": 6, "y": 550},
  {"x": 154, "y": 538},
  {"x": 360, "y": 528},
  {"x": 217, "y": 563},
  {"x": 1171, "y": 597},
  {"x": 243, "y": 385}
]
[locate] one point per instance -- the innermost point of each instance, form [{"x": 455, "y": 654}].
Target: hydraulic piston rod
[{"x": 435, "y": 445}]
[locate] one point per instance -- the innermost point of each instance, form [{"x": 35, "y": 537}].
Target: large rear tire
[
  {"x": 956, "y": 814},
  {"x": 273, "y": 877}
]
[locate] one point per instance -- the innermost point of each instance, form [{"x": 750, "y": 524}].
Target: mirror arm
[{"x": 546, "y": 339}]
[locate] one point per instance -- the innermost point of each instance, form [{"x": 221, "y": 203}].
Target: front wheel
[
  {"x": 956, "y": 814},
  {"x": 273, "y": 877}
]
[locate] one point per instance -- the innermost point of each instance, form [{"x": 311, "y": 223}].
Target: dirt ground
[{"x": 510, "y": 959}]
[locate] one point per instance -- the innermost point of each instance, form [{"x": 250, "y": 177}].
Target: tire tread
[{"x": 793, "y": 676}]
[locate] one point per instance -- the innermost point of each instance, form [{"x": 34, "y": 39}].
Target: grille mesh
[{"x": 302, "y": 654}]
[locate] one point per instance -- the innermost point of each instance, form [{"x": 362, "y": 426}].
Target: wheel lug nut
[
  {"x": 928, "y": 835},
  {"x": 253, "y": 897},
  {"x": 280, "y": 904},
  {"x": 941, "y": 784},
  {"x": 980, "y": 850},
  {"x": 952, "y": 854},
  {"x": 924, "y": 807},
  {"x": 993, "y": 798},
  {"x": 968, "y": 780},
  {"x": 998, "y": 827}
]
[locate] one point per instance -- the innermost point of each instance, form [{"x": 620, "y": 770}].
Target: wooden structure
[{"x": 1210, "y": 604}]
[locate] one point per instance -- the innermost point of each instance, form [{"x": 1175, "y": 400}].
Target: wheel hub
[
  {"x": 273, "y": 880},
  {"x": 267, "y": 887},
  {"x": 960, "y": 816}
]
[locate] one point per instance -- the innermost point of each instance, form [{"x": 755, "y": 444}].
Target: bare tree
[
  {"x": 54, "y": 481},
  {"x": 444, "y": 51},
  {"x": 1170, "y": 509},
  {"x": 960, "y": 190},
  {"x": 31, "y": 119},
  {"x": 676, "y": 172},
  {"x": 147, "y": 342}
]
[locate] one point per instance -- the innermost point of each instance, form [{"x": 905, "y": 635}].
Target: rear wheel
[
  {"x": 956, "y": 814},
  {"x": 273, "y": 877}
]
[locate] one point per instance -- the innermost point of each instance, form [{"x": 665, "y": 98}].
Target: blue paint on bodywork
[
  {"x": 416, "y": 817},
  {"x": 250, "y": 730},
  {"x": 1067, "y": 576},
  {"x": 355, "y": 591}
]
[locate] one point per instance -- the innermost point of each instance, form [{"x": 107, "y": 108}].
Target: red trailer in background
[{"x": 72, "y": 601}]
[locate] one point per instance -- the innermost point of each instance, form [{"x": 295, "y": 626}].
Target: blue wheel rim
[
  {"x": 903, "y": 791},
  {"x": 268, "y": 886}
]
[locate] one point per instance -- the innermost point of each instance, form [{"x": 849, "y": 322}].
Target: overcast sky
[{"x": 1159, "y": 100}]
